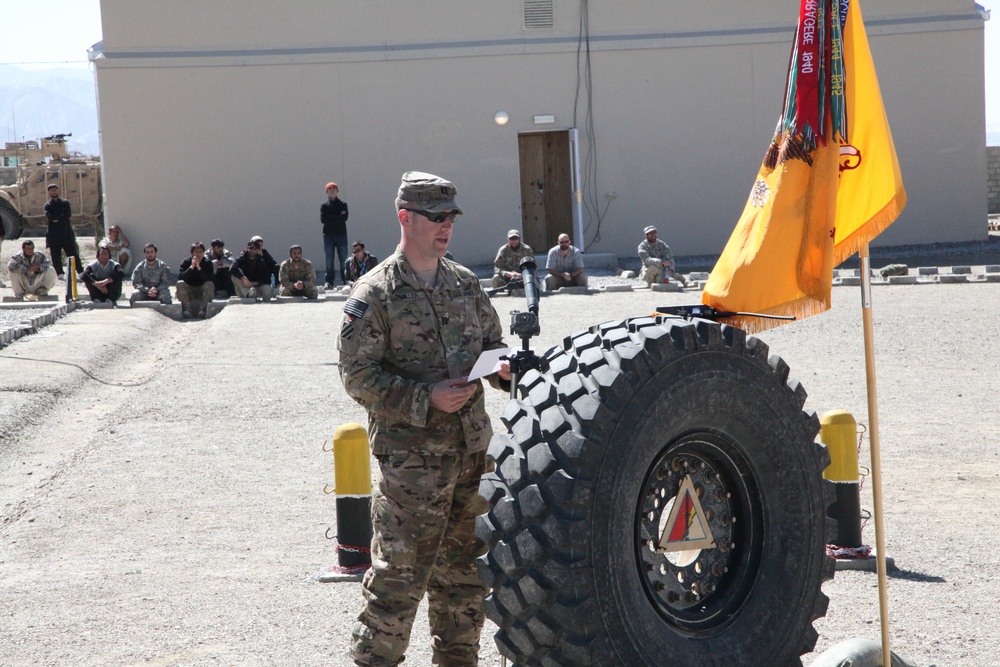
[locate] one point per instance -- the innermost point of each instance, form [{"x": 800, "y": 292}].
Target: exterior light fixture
[{"x": 501, "y": 118}]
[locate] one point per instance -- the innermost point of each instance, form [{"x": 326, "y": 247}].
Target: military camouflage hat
[{"x": 426, "y": 192}]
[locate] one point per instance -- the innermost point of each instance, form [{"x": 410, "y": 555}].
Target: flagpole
[{"x": 876, "y": 456}]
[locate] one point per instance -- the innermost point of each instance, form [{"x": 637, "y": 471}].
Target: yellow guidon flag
[{"x": 829, "y": 183}]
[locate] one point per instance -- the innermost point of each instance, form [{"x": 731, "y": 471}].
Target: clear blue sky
[{"x": 60, "y": 32}]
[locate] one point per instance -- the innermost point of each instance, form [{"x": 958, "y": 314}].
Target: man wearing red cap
[{"x": 333, "y": 215}]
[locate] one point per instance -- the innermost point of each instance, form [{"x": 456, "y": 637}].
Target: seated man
[
  {"x": 151, "y": 279},
  {"x": 118, "y": 244},
  {"x": 360, "y": 263},
  {"x": 221, "y": 260},
  {"x": 297, "y": 276},
  {"x": 251, "y": 275},
  {"x": 266, "y": 256},
  {"x": 565, "y": 266},
  {"x": 104, "y": 277},
  {"x": 507, "y": 265},
  {"x": 31, "y": 273},
  {"x": 195, "y": 287},
  {"x": 657, "y": 260}
]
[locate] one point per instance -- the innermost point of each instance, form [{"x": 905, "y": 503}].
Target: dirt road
[{"x": 161, "y": 483}]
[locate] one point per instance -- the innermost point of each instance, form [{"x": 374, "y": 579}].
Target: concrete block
[
  {"x": 697, "y": 275},
  {"x": 850, "y": 281},
  {"x": 100, "y": 305},
  {"x": 961, "y": 270},
  {"x": 573, "y": 290},
  {"x": 12, "y": 299},
  {"x": 992, "y": 277},
  {"x": 666, "y": 287},
  {"x": 146, "y": 304},
  {"x": 172, "y": 310},
  {"x": 848, "y": 273},
  {"x": 617, "y": 288},
  {"x": 486, "y": 283},
  {"x": 992, "y": 268},
  {"x": 927, "y": 271},
  {"x": 947, "y": 278},
  {"x": 628, "y": 275},
  {"x": 335, "y": 297},
  {"x": 902, "y": 280}
]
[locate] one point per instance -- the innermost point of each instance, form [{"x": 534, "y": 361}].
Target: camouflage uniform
[
  {"x": 290, "y": 273},
  {"x": 146, "y": 276},
  {"x": 652, "y": 255},
  {"x": 399, "y": 337},
  {"x": 509, "y": 259}
]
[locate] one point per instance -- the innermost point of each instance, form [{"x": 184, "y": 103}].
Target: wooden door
[{"x": 546, "y": 188}]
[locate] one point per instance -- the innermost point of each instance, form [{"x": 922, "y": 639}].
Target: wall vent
[{"x": 537, "y": 14}]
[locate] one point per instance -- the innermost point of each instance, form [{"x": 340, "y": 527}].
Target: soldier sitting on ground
[
  {"x": 657, "y": 260},
  {"x": 507, "y": 265},
  {"x": 103, "y": 278},
  {"x": 151, "y": 278},
  {"x": 31, "y": 273},
  {"x": 297, "y": 276},
  {"x": 195, "y": 287},
  {"x": 564, "y": 265}
]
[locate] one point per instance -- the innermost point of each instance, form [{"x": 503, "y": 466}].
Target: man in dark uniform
[
  {"x": 413, "y": 328},
  {"x": 60, "y": 238}
]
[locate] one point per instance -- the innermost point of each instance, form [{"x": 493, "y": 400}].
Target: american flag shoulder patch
[{"x": 355, "y": 308}]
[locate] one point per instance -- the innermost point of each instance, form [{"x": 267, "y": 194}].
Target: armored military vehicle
[{"x": 36, "y": 166}]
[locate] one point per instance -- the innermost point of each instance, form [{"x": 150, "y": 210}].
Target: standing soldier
[
  {"x": 60, "y": 237},
  {"x": 412, "y": 331}
]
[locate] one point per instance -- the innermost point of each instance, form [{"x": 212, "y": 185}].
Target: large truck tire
[
  {"x": 601, "y": 447},
  {"x": 11, "y": 221}
]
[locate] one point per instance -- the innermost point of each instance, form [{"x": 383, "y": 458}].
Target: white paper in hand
[{"x": 488, "y": 363}]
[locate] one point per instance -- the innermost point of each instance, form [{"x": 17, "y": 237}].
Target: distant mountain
[{"x": 36, "y": 103}]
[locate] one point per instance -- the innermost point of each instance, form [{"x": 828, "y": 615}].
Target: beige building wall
[{"x": 221, "y": 119}]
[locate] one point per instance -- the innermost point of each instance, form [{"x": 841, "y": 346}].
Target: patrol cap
[
  {"x": 52, "y": 185},
  {"x": 426, "y": 192},
  {"x": 649, "y": 230},
  {"x": 513, "y": 233},
  {"x": 254, "y": 239}
]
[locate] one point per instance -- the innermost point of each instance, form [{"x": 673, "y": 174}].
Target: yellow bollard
[
  {"x": 838, "y": 431},
  {"x": 71, "y": 280},
  {"x": 353, "y": 476}
]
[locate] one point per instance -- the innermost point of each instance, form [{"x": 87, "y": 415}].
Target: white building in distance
[{"x": 227, "y": 118}]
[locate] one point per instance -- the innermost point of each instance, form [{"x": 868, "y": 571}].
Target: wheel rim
[{"x": 699, "y": 590}]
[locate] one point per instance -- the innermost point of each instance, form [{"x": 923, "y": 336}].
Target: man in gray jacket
[{"x": 150, "y": 279}]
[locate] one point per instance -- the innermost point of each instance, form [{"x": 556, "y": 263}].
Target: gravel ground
[{"x": 161, "y": 482}]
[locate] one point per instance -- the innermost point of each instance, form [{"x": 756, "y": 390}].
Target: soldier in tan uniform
[
  {"x": 412, "y": 331},
  {"x": 297, "y": 275},
  {"x": 507, "y": 265}
]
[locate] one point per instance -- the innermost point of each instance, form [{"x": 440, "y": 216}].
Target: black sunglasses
[{"x": 434, "y": 217}]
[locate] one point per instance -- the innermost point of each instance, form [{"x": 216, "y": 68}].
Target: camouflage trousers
[{"x": 424, "y": 511}]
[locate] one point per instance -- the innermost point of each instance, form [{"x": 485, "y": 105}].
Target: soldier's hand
[
  {"x": 504, "y": 371},
  {"x": 451, "y": 395}
]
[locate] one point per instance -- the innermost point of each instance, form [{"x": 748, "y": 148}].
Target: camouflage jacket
[
  {"x": 290, "y": 273},
  {"x": 145, "y": 276},
  {"x": 652, "y": 254},
  {"x": 399, "y": 337},
  {"x": 509, "y": 259}
]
